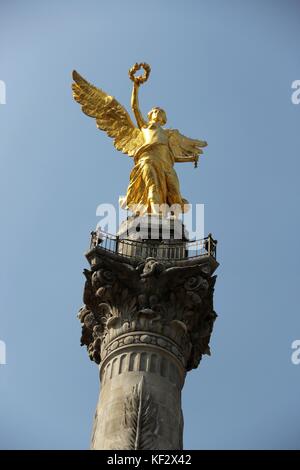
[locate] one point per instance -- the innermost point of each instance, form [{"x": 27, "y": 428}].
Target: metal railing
[{"x": 159, "y": 249}]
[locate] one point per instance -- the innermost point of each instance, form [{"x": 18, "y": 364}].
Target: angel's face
[{"x": 157, "y": 116}]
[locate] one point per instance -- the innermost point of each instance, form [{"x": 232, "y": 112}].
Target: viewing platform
[{"x": 176, "y": 251}]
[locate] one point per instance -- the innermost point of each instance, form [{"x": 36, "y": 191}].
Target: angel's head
[{"x": 158, "y": 116}]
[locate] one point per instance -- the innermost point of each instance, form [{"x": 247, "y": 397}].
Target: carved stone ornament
[{"x": 165, "y": 303}]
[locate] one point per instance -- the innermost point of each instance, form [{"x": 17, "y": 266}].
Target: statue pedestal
[
  {"x": 152, "y": 227},
  {"x": 152, "y": 236}
]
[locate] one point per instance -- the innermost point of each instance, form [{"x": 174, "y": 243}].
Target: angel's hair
[{"x": 162, "y": 112}]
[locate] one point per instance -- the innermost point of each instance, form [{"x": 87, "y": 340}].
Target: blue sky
[{"x": 223, "y": 71}]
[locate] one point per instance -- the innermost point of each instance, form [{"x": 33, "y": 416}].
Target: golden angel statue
[{"x": 153, "y": 181}]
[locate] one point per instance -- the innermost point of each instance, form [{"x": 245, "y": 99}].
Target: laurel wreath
[{"x": 140, "y": 78}]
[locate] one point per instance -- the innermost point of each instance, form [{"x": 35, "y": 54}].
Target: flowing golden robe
[{"x": 153, "y": 180}]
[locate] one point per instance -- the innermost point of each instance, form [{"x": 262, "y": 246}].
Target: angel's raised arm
[{"x": 135, "y": 106}]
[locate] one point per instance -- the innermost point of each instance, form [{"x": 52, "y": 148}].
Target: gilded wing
[
  {"x": 184, "y": 147},
  {"x": 110, "y": 115}
]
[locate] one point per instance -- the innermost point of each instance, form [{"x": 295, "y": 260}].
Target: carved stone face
[
  {"x": 150, "y": 265},
  {"x": 157, "y": 116}
]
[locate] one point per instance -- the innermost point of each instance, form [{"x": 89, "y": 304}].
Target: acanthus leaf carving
[{"x": 150, "y": 296}]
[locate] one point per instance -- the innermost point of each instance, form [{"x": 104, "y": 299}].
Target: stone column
[{"x": 146, "y": 323}]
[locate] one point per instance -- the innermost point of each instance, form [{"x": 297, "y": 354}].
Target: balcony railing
[{"x": 159, "y": 249}]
